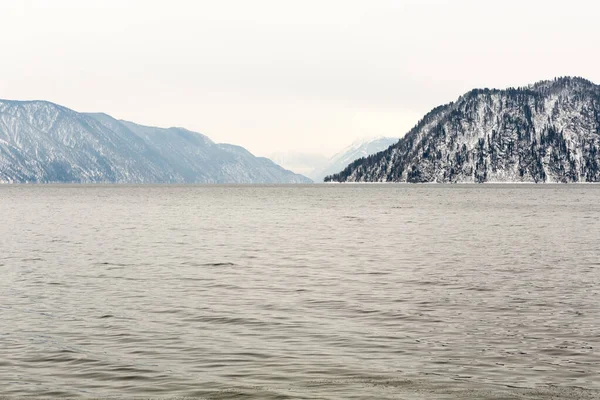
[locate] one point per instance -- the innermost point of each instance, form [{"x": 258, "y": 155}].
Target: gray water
[{"x": 328, "y": 292}]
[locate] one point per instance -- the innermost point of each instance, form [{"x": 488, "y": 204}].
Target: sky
[{"x": 282, "y": 75}]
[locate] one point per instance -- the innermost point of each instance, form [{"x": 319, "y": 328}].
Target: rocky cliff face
[
  {"x": 43, "y": 142},
  {"x": 547, "y": 132}
]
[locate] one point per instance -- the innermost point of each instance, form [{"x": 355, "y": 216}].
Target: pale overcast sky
[{"x": 277, "y": 75}]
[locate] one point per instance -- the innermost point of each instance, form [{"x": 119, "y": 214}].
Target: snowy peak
[
  {"x": 364, "y": 147},
  {"x": 546, "y": 132}
]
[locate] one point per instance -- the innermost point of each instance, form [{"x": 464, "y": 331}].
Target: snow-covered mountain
[
  {"x": 546, "y": 132},
  {"x": 45, "y": 142},
  {"x": 358, "y": 149}
]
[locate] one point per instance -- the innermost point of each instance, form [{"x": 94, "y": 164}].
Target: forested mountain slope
[{"x": 546, "y": 132}]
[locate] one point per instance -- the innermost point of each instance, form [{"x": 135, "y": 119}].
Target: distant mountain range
[
  {"x": 300, "y": 163},
  {"x": 358, "y": 149},
  {"x": 546, "y": 132},
  {"x": 317, "y": 166},
  {"x": 42, "y": 142}
]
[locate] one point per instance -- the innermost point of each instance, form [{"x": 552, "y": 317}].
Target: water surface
[{"x": 300, "y": 292}]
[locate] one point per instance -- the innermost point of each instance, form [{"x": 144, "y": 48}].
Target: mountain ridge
[
  {"x": 44, "y": 142},
  {"x": 548, "y": 131}
]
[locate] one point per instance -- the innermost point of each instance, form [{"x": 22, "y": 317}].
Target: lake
[{"x": 300, "y": 292}]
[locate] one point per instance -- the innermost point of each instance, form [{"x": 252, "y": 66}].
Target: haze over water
[{"x": 332, "y": 292}]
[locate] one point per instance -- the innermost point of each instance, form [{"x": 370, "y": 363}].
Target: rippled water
[{"x": 330, "y": 292}]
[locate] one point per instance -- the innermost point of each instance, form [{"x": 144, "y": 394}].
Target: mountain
[
  {"x": 44, "y": 142},
  {"x": 546, "y": 132},
  {"x": 301, "y": 163},
  {"x": 358, "y": 149}
]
